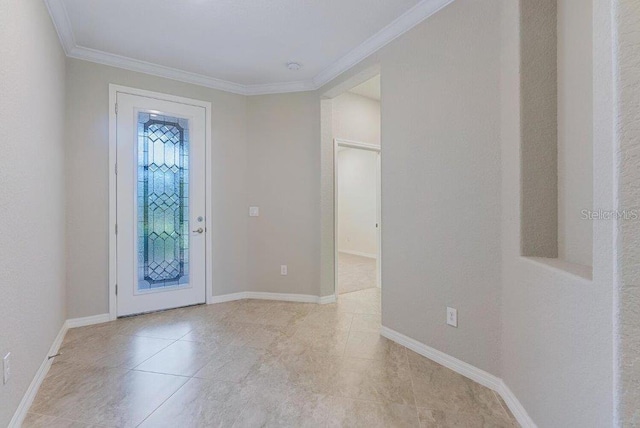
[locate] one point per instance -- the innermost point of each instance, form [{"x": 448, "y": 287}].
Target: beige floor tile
[
  {"x": 366, "y": 414},
  {"x": 326, "y": 341},
  {"x": 232, "y": 364},
  {"x": 327, "y": 317},
  {"x": 34, "y": 420},
  {"x": 112, "y": 351},
  {"x": 66, "y": 384},
  {"x": 374, "y": 380},
  {"x": 309, "y": 371},
  {"x": 372, "y": 346},
  {"x": 128, "y": 402},
  {"x": 181, "y": 358},
  {"x": 304, "y": 410},
  {"x": 263, "y": 405},
  {"x": 355, "y": 273},
  {"x": 438, "y": 388},
  {"x": 199, "y": 403},
  {"x": 255, "y": 363},
  {"x": 360, "y": 302},
  {"x": 369, "y": 323},
  {"x": 161, "y": 325},
  {"x": 452, "y": 419}
]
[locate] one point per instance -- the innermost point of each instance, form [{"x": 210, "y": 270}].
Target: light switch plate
[
  {"x": 283, "y": 269},
  {"x": 254, "y": 211},
  {"x": 452, "y": 317}
]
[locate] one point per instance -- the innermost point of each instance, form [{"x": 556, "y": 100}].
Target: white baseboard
[
  {"x": 27, "y": 400},
  {"x": 228, "y": 297},
  {"x": 518, "y": 410},
  {"x": 82, "y": 322},
  {"x": 324, "y": 300},
  {"x": 465, "y": 369},
  {"x": 359, "y": 253},
  {"x": 284, "y": 297}
]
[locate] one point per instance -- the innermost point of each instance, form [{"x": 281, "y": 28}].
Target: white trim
[
  {"x": 379, "y": 219},
  {"x": 283, "y": 297},
  {"x": 61, "y": 22},
  {"x": 228, "y": 297},
  {"x": 458, "y": 366},
  {"x": 341, "y": 142},
  {"x": 359, "y": 253},
  {"x": 465, "y": 369},
  {"x": 113, "y": 91},
  {"x": 30, "y": 395},
  {"x": 395, "y": 29},
  {"x": 113, "y": 266},
  {"x": 325, "y": 300},
  {"x": 351, "y": 82},
  {"x": 126, "y": 63},
  {"x": 518, "y": 410},
  {"x": 85, "y": 321},
  {"x": 421, "y": 11}
]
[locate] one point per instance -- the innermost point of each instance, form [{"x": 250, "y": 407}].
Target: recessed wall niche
[{"x": 556, "y": 130}]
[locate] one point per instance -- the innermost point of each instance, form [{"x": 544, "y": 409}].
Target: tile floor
[
  {"x": 355, "y": 273},
  {"x": 253, "y": 364}
]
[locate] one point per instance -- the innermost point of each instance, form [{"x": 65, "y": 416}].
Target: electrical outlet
[
  {"x": 254, "y": 211},
  {"x": 6, "y": 368},
  {"x": 452, "y": 317},
  {"x": 283, "y": 269}
]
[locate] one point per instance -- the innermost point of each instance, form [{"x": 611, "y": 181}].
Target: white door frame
[
  {"x": 113, "y": 91},
  {"x": 337, "y": 143}
]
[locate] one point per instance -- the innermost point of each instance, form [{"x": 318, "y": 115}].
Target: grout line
[
  {"x": 505, "y": 411},
  {"x": 161, "y": 404},
  {"x": 147, "y": 359},
  {"x": 413, "y": 388}
]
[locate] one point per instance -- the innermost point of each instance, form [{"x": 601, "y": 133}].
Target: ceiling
[
  {"x": 241, "y": 46},
  {"x": 369, "y": 89}
]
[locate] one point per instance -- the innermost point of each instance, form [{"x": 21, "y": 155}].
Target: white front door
[{"x": 160, "y": 204}]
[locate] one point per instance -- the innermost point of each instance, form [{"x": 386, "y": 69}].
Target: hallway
[{"x": 355, "y": 273}]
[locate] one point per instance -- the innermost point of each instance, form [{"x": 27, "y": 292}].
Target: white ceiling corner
[{"x": 403, "y": 23}]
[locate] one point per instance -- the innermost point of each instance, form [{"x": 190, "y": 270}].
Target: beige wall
[
  {"x": 441, "y": 180},
  {"x": 554, "y": 326},
  {"x": 283, "y": 164},
  {"x": 575, "y": 130},
  {"x": 557, "y": 341},
  {"x": 628, "y": 93},
  {"x": 356, "y": 118},
  {"x": 32, "y": 295},
  {"x": 87, "y": 181},
  {"x": 357, "y": 201}
]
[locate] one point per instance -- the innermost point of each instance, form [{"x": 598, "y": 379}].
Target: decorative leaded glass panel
[{"x": 163, "y": 201}]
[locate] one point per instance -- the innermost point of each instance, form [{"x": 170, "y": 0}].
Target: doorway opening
[
  {"x": 357, "y": 195},
  {"x": 357, "y": 213}
]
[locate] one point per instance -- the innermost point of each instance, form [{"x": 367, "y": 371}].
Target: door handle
[{"x": 198, "y": 230}]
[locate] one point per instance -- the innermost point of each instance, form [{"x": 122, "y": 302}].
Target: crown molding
[
  {"x": 127, "y": 63},
  {"x": 421, "y": 11},
  {"x": 62, "y": 24},
  {"x": 395, "y": 29},
  {"x": 280, "y": 88}
]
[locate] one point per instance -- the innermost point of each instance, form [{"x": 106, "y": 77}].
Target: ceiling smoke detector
[{"x": 293, "y": 66}]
